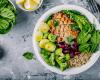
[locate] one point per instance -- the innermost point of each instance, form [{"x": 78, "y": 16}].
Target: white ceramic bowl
[
  {"x": 12, "y": 3},
  {"x": 20, "y": 6},
  {"x": 70, "y": 71}
]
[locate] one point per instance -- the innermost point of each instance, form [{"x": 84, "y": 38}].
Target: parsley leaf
[
  {"x": 56, "y": 23},
  {"x": 69, "y": 40}
]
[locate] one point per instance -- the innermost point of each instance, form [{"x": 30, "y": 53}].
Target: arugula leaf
[{"x": 28, "y": 55}]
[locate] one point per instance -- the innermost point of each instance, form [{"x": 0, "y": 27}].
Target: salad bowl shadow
[{"x": 70, "y": 71}]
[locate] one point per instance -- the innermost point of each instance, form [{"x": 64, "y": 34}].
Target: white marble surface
[{"x": 19, "y": 40}]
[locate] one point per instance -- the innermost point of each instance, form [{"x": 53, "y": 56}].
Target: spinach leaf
[
  {"x": 96, "y": 37},
  {"x": 11, "y": 7},
  {"x": 84, "y": 47},
  {"x": 7, "y": 16},
  {"x": 7, "y": 13},
  {"x": 83, "y": 23},
  {"x": 4, "y": 26},
  {"x": 3, "y": 3},
  {"x": 72, "y": 11},
  {"x": 28, "y": 55},
  {"x": 94, "y": 47},
  {"x": 83, "y": 37},
  {"x": 81, "y": 20},
  {"x": 74, "y": 27}
]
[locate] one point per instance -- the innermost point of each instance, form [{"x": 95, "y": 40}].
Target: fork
[{"x": 94, "y": 9}]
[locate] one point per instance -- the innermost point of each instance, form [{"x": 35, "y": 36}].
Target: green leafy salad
[
  {"x": 7, "y": 16},
  {"x": 67, "y": 39}
]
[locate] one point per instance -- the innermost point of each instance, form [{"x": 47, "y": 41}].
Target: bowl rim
[
  {"x": 41, "y": 1},
  {"x": 12, "y": 3},
  {"x": 70, "y": 71}
]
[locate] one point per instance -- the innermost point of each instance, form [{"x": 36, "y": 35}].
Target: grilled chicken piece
[{"x": 64, "y": 27}]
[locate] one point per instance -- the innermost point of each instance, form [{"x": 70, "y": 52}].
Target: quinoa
[{"x": 79, "y": 60}]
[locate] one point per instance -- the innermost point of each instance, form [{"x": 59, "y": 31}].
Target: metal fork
[{"x": 94, "y": 9}]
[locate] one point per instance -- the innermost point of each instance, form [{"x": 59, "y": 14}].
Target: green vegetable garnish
[
  {"x": 69, "y": 40},
  {"x": 28, "y": 55},
  {"x": 52, "y": 37},
  {"x": 56, "y": 23},
  {"x": 75, "y": 27}
]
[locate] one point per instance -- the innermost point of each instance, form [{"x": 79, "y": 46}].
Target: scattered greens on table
[
  {"x": 28, "y": 55},
  {"x": 7, "y": 16},
  {"x": 88, "y": 40}
]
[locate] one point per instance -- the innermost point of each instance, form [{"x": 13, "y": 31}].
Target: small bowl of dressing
[{"x": 29, "y": 5}]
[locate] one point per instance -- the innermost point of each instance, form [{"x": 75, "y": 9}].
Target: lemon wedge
[
  {"x": 30, "y": 5},
  {"x": 20, "y": 1}
]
